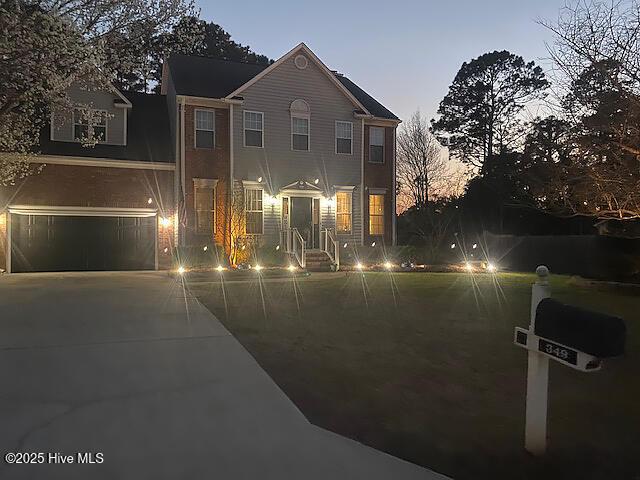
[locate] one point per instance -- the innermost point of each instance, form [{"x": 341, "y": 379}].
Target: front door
[{"x": 301, "y": 218}]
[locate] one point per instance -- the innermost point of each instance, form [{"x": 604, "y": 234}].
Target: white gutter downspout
[
  {"x": 231, "y": 183},
  {"x": 362, "y": 216},
  {"x": 393, "y": 194},
  {"x": 182, "y": 170}
]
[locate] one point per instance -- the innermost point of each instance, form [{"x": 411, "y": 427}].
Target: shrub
[{"x": 197, "y": 257}]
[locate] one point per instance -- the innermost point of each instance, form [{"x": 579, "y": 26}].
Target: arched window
[{"x": 300, "y": 124}]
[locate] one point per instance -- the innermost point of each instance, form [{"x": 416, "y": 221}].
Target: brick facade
[
  {"x": 380, "y": 175},
  {"x": 206, "y": 163},
  {"x": 89, "y": 186}
]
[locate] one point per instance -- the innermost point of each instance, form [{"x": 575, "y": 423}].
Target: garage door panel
[{"x": 67, "y": 243}]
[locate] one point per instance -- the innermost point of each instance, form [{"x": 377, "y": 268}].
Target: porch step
[{"x": 317, "y": 261}]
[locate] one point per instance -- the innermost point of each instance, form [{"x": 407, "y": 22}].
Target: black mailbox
[{"x": 594, "y": 333}]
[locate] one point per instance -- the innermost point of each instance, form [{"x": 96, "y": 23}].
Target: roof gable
[
  {"x": 148, "y": 134},
  {"x": 301, "y": 185},
  {"x": 301, "y": 48}
]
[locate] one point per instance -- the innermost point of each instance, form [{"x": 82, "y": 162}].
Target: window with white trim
[
  {"x": 253, "y": 129},
  {"x": 253, "y": 211},
  {"x": 205, "y": 209},
  {"x": 344, "y": 137},
  {"x": 89, "y": 124},
  {"x": 376, "y": 144},
  {"x": 343, "y": 212},
  {"x": 205, "y": 127},
  {"x": 376, "y": 214},
  {"x": 299, "y": 133}
]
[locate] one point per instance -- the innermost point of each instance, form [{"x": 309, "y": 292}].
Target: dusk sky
[{"x": 404, "y": 53}]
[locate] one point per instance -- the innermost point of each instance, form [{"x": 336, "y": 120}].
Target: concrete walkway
[{"x": 126, "y": 365}]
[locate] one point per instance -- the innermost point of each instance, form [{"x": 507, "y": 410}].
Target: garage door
[{"x": 53, "y": 243}]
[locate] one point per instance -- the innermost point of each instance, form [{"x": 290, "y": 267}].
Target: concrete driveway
[{"x": 130, "y": 366}]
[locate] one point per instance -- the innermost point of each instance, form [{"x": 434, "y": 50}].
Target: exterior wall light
[
  {"x": 259, "y": 179},
  {"x": 258, "y": 267},
  {"x": 359, "y": 266},
  {"x": 373, "y": 244},
  {"x": 205, "y": 248},
  {"x": 388, "y": 265},
  {"x": 181, "y": 270},
  {"x": 150, "y": 201},
  {"x": 220, "y": 268},
  {"x": 468, "y": 267},
  {"x": 491, "y": 267},
  {"x": 453, "y": 245},
  {"x": 292, "y": 268},
  {"x": 165, "y": 222}
]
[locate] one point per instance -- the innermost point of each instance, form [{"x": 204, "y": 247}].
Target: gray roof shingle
[
  {"x": 209, "y": 77},
  {"x": 370, "y": 103}
]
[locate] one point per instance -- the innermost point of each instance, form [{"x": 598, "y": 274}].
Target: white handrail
[
  {"x": 331, "y": 247},
  {"x": 298, "y": 241}
]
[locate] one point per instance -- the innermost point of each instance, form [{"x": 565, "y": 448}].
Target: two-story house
[
  {"x": 228, "y": 153},
  {"x": 302, "y": 147}
]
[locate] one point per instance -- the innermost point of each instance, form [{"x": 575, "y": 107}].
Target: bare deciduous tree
[{"x": 422, "y": 169}]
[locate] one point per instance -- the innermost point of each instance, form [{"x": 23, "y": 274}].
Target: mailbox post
[
  {"x": 537, "y": 375},
  {"x": 569, "y": 335}
]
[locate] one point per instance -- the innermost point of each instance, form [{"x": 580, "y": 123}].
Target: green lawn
[{"x": 427, "y": 370}]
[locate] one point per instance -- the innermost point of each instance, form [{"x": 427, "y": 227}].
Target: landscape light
[
  {"x": 181, "y": 270},
  {"x": 258, "y": 267},
  {"x": 359, "y": 266},
  {"x": 468, "y": 267},
  {"x": 220, "y": 268},
  {"x": 292, "y": 268},
  {"x": 491, "y": 267},
  {"x": 388, "y": 265},
  {"x": 165, "y": 222}
]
